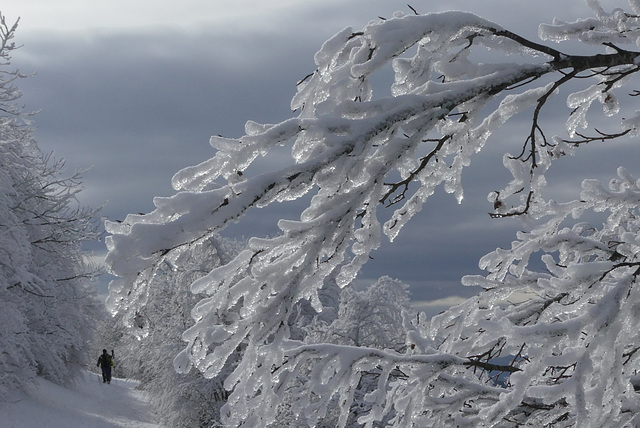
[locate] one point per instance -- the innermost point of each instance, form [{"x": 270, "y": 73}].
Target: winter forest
[{"x": 271, "y": 331}]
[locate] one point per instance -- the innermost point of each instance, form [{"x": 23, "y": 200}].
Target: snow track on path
[{"x": 86, "y": 403}]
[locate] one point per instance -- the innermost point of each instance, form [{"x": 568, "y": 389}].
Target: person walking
[{"x": 105, "y": 362}]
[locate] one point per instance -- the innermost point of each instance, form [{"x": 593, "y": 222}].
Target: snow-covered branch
[{"x": 356, "y": 152}]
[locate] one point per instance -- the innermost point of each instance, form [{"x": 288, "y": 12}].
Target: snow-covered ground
[{"x": 87, "y": 403}]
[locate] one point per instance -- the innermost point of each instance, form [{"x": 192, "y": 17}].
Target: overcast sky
[{"x": 134, "y": 89}]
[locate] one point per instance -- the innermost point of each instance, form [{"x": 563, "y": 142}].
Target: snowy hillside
[{"x": 87, "y": 403}]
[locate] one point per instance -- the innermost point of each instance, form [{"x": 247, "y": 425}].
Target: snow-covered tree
[
  {"x": 150, "y": 333},
  {"x": 46, "y": 297},
  {"x": 567, "y": 331},
  {"x": 370, "y": 317},
  {"x": 367, "y": 317}
]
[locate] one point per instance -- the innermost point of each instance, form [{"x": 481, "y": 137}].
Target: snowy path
[{"x": 88, "y": 403}]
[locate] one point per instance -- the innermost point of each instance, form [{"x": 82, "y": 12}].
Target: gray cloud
[{"x": 148, "y": 107}]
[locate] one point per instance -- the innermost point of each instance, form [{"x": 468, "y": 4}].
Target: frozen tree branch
[{"x": 356, "y": 152}]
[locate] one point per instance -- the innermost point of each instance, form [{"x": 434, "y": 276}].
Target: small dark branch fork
[
  {"x": 535, "y": 126},
  {"x": 560, "y": 372},
  {"x": 629, "y": 355},
  {"x": 491, "y": 367},
  {"x": 602, "y": 136},
  {"x": 515, "y": 213},
  {"x": 404, "y": 184}
]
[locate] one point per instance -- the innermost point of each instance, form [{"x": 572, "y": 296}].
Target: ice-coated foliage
[
  {"x": 371, "y": 317},
  {"x": 150, "y": 334},
  {"x": 569, "y": 326},
  {"x": 46, "y": 298},
  {"x": 458, "y": 78}
]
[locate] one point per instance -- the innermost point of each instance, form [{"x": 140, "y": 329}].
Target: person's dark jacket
[{"x": 105, "y": 361}]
